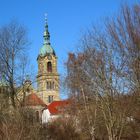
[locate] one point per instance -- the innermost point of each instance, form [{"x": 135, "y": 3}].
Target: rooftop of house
[
  {"x": 34, "y": 100},
  {"x": 57, "y": 107}
]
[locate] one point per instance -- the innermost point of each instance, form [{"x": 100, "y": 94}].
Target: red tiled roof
[
  {"x": 33, "y": 100},
  {"x": 56, "y": 106}
]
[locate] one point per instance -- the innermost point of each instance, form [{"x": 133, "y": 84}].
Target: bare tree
[
  {"x": 13, "y": 47},
  {"x": 125, "y": 33},
  {"x": 105, "y": 75}
]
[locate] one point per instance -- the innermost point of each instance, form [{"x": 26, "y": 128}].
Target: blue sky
[{"x": 67, "y": 20}]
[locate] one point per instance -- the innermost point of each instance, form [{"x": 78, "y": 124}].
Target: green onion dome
[{"x": 46, "y": 48}]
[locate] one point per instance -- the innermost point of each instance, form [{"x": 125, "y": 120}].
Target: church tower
[{"x": 47, "y": 77}]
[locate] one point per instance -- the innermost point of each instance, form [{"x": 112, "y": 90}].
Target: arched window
[
  {"x": 49, "y": 67},
  {"x": 50, "y": 99},
  {"x": 50, "y": 85},
  {"x": 28, "y": 90},
  {"x": 53, "y": 86},
  {"x": 47, "y": 85}
]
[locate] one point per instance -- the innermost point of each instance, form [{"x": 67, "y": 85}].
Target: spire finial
[
  {"x": 46, "y": 33},
  {"x": 46, "y": 18}
]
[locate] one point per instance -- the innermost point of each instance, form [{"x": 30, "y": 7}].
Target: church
[
  {"x": 47, "y": 77},
  {"x": 47, "y": 96}
]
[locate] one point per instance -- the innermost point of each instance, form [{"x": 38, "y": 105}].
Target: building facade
[{"x": 47, "y": 77}]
